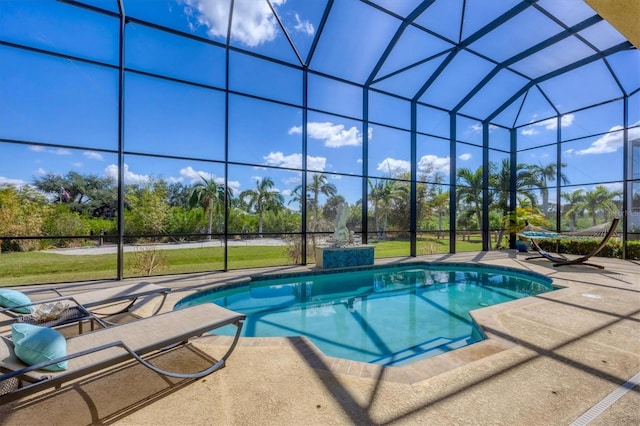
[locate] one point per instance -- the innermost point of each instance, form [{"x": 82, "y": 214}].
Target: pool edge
[{"x": 498, "y": 339}]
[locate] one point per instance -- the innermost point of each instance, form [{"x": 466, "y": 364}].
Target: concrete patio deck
[{"x": 549, "y": 360}]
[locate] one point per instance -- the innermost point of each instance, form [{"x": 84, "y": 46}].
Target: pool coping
[
  {"x": 497, "y": 339},
  {"x": 554, "y": 374}
]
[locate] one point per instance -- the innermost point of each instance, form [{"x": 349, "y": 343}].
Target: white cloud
[
  {"x": 332, "y": 135},
  {"x": 477, "y": 127},
  {"x": 129, "y": 177},
  {"x": 548, "y": 124},
  {"x": 614, "y": 186},
  {"x": 393, "y": 166},
  {"x": 432, "y": 164},
  {"x": 253, "y": 22},
  {"x": 55, "y": 151},
  {"x": 565, "y": 121},
  {"x": 610, "y": 142},
  {"x": 60, "y": 151},
  {"x": 41, "y": 171},
  {"x": 294, "y": 161},
  {"x": 279, "y": 159},
  {"x": 465, "y": 157},
  {"x": 293, "y": 181},
  {"x": 192, "y": 176},
  {"x": 234, "y": 186},
  {"x": 606, "y": 143},
  {"x": 92, "y": 155},
  {"x": 304, "y": 26},
  {"x": 11, "y": 182},
  {"x": 77, "y": 164}
]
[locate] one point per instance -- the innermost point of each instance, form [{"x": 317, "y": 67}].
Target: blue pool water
[{"x": 382, "y": 315}]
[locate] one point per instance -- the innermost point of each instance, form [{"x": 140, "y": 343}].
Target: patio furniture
[
  {"x": 608, "y": 230},
  {"x": 83, "y": 305},
  {"x": 96, "y": 351}
]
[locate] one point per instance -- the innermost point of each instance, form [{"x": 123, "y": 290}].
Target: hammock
[
  {"x": 598, "y": 231},
  {"x": 604, "y": 231}
]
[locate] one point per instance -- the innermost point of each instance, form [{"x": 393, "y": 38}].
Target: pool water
[{"x": 389, "y": 316}]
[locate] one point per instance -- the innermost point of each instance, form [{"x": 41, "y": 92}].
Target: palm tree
[
  {"x": 263, "y": 198},
  {"x": 600, "y": 200},
  {"x": 384, "y": 193},
  {"x": 500, "y": 182},
  {"x": 440, "y": 204},
  {"x": 296, "y": 196},
  {"x": 319, "y": 185},
  {"x": 574, "y": 206},
  {"x": 470, "y": 190},
  {"x": 375, "y": 195},
  {"x": 540, "y": 176},
  {"x": 210, "y": 196}
]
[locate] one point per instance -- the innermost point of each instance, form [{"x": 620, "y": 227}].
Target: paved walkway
[
  {"x": 112, "y": 248},
  {"x": 555, "y": 359}
]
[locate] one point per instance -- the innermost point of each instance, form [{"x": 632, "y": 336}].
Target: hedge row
[{"x": 584, "y": 246}]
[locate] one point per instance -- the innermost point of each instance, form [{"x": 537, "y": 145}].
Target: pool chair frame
[
  {"x": 84, "y": 304},
  {"x": 133, "y": 341},
  {"x": 560, "y": 260}
]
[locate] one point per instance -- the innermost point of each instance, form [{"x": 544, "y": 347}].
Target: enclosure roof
[
  {"x": 507, "y": 62},
  {"x": 503, "y": 61}
]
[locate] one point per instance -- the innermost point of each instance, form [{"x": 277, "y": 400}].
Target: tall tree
[
  {"x": 23, "y": 211},
  {"x": 179, "y": 194},
  {"x": 330, "y": 209},
  {"x": 600, "y": 200},
  {"x": 470, "y": 190},
  {"x": 210, "y": 196},
  {"x": 296, "y": 196},
  {"x": 319, "y": 186},
  {"x": 500, "y": 183},
  {"x": 376, "y": 189},
  {"x": 384, "y": 193},
  {"x": 574, "y": 206},
  {"x": 84, "y": 193},
  {"x": 148, "y": 212},
  {"x": 262, "y": 199},
  {"x": 440, "y": 205},
  {"x": 541, "y": 175}
]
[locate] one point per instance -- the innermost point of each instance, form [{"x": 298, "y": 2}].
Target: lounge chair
[
  {"x": 560, "y": 260},
  {"x": 105, "y": 347},
  {"x": 87, "y": 302}
]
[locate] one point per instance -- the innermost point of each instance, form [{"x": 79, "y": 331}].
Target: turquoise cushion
[
  {"x": 34, "y": 344},
  {"x": 11, "y": 298}
]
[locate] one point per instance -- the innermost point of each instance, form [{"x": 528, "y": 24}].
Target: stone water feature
[{"x": 344, "y": 251}]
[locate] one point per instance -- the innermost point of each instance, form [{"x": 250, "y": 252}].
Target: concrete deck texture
[{"x": 567, "y": 357}]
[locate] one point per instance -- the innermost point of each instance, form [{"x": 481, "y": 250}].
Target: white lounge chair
[
  {"x": 95, "y": 351},
  {"x": 85, "y": 302}
]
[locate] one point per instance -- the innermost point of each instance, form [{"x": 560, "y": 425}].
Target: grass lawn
[{"x": 43, "y": 267}]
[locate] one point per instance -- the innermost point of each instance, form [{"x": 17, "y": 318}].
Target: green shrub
[
  {"x": 62, "y": 221},
  {"x": 633, "y": 250},
  {"x": 582, "y": 247}
]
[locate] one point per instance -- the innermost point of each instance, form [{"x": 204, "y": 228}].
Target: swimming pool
[{"x": 391, "y": 315}]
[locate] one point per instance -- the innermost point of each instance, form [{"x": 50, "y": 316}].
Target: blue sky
[{"x": 59, "y": 101}]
